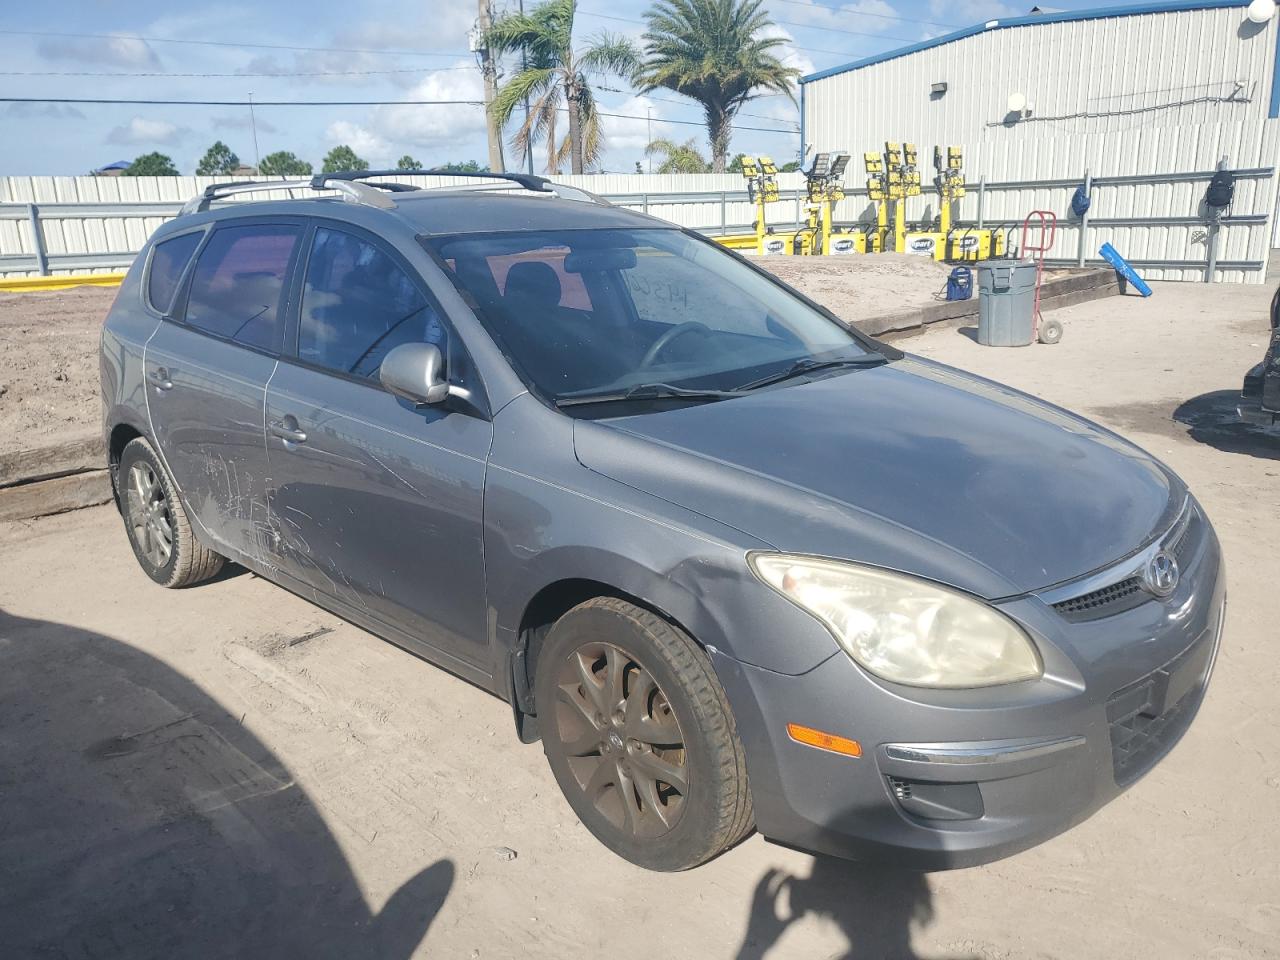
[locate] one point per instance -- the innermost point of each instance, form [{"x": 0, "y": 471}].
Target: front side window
[
  {"x": 357, "y": 304},
  {"x": 238, "y": 283},
  {"x": 581, "y": 312},
  {"x": 168, "y": 260}
]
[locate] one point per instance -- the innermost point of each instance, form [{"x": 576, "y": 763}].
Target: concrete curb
[{"x": 1059, "y": 291}]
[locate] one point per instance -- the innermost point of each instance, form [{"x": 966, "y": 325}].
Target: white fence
[{"x": 78, "y": 225}]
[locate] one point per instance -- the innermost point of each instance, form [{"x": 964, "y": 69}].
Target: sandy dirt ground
[
  {"x": 855, "y": 288},
  {"x": 228, "y": 771},
  {"x": 49, "y": 365}
]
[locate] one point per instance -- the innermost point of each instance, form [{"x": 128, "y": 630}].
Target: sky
[{"x": 391, "y": 50}]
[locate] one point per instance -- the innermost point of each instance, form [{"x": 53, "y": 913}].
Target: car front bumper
[{"x": 952, "y": 778}]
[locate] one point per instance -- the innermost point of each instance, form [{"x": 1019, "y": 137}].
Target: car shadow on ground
[
  {"x": 1210, "y": 418},
  {"x": 138, "y": 818},
  {"x": 874, "y": 907}
]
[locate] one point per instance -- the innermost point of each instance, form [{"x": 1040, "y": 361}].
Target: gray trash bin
[{"x": 1006, "y": 302}]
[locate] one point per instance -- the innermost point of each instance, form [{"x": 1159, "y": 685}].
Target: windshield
[{"x": 583, "y": 312}]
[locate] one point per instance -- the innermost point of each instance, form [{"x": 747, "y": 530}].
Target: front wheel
[
  {"x": 161, "y": 536},
  {"x": 639, "y": 736}
]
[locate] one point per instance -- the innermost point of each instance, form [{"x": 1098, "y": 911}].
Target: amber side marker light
[{"x": 824, "y": 741}]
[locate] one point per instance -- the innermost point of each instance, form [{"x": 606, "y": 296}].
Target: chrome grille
[
  {"x": 1127, "y": 592},
  {"x": 1105, "y": 601}
]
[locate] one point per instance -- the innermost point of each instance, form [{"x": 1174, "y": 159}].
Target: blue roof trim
[
  {"x": 1272, "y": 112},
  {"x": 1096, "y": 13}
]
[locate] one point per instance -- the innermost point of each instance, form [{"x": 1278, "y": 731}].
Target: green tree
[
  {"x": 282, "y": 163},
  {"x": 218, "y": 160},
  {"x": 408, "y": 163},
  {"x": 466, "y": 166},
  {"x": 735, "y": 165},
  {"x": 556, "y": 77},
  {"x": 677, "y": 157},
  {"x": 714, "y": 52},
  {"x": 791, "y": 166},
  {"x": 342, "y": 157},
  {"x": 151, "y": 165}
]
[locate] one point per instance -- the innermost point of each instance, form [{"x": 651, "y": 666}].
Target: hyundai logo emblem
[{"x": 1161, "y": 575}]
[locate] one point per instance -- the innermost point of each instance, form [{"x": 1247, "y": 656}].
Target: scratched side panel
[
  {"x": 208, "y": 427},
  {"x": 380, "y": 506}
]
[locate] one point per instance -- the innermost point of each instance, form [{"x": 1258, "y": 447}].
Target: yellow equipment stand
[
  {"x": 762, "y": 188},
  {"x": 949, "y": 243},
  {"x": 825, "y": 188}
]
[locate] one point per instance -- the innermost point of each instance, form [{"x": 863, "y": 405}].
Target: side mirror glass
[{"x": 415, "y": 371}]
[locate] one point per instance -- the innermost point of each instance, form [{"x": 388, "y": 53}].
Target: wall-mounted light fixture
[{"x": 937, "y": 89}]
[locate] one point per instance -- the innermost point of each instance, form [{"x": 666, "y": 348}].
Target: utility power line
[
  {"x": 231, "y": 43},
  {"x": 274, "y": 73},
  {"x": 81, "y": 101},
  {"x": 864, "y": 13}
]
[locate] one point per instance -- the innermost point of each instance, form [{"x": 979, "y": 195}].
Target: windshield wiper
[
  {"x": 809, "y": 365},
  {"x": 646, "y": 391}
]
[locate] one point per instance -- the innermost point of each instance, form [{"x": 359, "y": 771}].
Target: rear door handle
[
  {"x": 287, "y": 429},
  {"x": 159, "y": 378}
]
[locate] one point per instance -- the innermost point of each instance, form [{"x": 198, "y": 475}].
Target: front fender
[{"x": 553, "y": 520}]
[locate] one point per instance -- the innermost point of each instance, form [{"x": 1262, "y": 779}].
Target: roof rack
[
  {"x": 529, "y": 181},
  {"x": 350, "y": 184},
  {"x": 351, "y": 192}
]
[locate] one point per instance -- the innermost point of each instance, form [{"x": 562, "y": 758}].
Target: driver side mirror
[{"x": 415, "y": 371}]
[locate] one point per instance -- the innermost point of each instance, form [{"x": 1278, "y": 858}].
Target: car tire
[
  {"x": 624, "y": 699},
  {"x": 156, "y": 522}
]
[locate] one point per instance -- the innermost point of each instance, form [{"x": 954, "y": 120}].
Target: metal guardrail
[{"x": 44, "y": 263}]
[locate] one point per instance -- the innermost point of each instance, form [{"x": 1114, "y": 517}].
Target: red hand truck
[{"x": 1046, "y": 331}]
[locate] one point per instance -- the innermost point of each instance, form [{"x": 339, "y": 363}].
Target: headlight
[{"x": 903, "y": 629}]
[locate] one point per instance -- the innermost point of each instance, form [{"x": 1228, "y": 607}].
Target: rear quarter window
[
  {"x": 168, "y": 260},
  {"x": 238, "y": 283}
]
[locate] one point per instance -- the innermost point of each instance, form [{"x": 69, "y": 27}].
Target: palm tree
[
  {"x": 714, "y": 52},
  {"x": 555, "y": 77},
  {"x": 677, "y": 157}
]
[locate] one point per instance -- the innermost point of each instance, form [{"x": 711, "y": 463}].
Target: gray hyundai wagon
[{"x": 735, "y": 564}]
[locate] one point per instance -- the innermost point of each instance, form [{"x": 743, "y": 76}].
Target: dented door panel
[
  {"x": 205, "y": 404},
  {"x": 378, "y": 505}
]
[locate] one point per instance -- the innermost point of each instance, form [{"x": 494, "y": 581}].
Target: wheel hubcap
[
  {"x": 624, "y": 745},
  {"x": 150, "y": 521}
]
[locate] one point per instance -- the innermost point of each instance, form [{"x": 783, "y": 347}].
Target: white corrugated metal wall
[
  {"x": 80, "y": 231},
  {"x": 1166, "y": 92}
]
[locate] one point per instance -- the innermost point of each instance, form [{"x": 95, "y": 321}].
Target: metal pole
[
  {"x": 1211, "y": 264},
  {"x": 648, "y": 116},
  {"x": 1084, "y": 222},
  {"x": 37, "y": 239},
  {"x": 253, "y": 122},
  {"x": 644, "y": 202},
  {"x": 724, "y": 199},
  {"x": 528, "y": 145},
  {"x": 982, "y": 196}
]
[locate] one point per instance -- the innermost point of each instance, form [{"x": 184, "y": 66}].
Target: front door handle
[
  {"x": 159, "y": 378},
  {"x": 287, "y": 430}
]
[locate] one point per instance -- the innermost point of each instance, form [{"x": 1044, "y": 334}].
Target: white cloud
[
  {"x": 969, "y": 12},
  {"x": 111, "y": 51},
  {"x": 368, "y": 145},
  {"x": 632, "y": 131},
  {"x": 27, "y": 111},
  {"x": 144, "y": 132},
  {"x": 787, "y": 52},
  {"x": 237, "y": 122},
  {"x": 863, "y": 16},
  {"x": 435, "y": 126}
]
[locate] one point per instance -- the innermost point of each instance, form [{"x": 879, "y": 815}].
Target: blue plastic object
[
  {"x": 1112, "y": 256},
  {"x": 1080, "y": 201},
  {"x": 960, "y": 284}
]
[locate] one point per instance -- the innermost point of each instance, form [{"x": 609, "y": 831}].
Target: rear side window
[
  {"x": 238, "y": 283},
  {"x": 357, "y": 304},
  {"x": 168, "y": 260}
]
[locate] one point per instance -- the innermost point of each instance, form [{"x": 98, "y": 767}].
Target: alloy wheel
[
  {"x": 622, "y": 740},
  {"x": 151, "y": 521}
]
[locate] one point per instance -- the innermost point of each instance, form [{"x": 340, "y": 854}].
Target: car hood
[{"x": 912, "y": 466}]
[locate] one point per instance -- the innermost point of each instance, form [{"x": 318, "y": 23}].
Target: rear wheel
[
  {"x": 1050, "y": 331},
  {"x": 159, "y": 531},
  {"x": 639, "y": 736}
]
